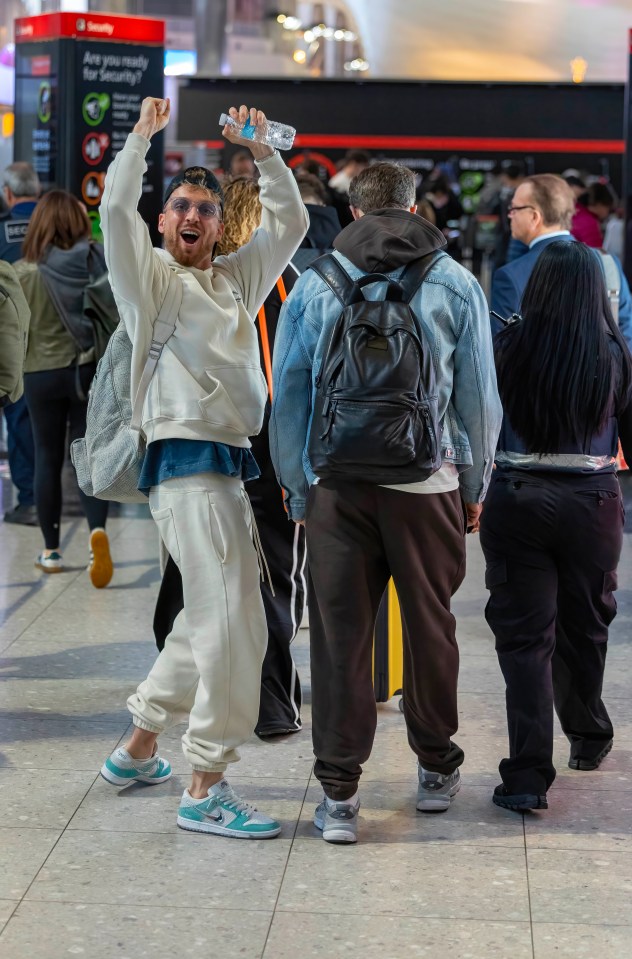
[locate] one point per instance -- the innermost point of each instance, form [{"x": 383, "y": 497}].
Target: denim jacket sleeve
[
  {"x": 475, "y": 393},
  {"x": 294, "y": 348},
  {"x": 625, "y": 306}
]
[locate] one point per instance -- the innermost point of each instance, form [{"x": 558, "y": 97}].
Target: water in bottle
[{"x": 277, "y": 135}]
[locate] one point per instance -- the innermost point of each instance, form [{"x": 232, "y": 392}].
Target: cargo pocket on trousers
[
  {"x": 218, "y": 537},
  {"x": 496, "y": 574},
  {"x": 163, "y": 518}
]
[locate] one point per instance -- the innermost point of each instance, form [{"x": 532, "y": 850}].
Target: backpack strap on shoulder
[
  {"x": 416, "y": 272},
  {"x": 335, "y": 276},
  {"x": 163, "y": 328},
  {"x": 613, "y": 281}
]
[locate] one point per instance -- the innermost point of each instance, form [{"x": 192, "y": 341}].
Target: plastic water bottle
[{"x": 277, "y": 135}]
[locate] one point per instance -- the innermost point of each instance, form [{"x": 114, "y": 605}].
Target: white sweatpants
[{"x": 210, "y": 668}]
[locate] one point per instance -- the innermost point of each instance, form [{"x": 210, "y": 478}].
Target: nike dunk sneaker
[
  {"x": 121, "y": 769},
  {"x": 224, "y": 813}
]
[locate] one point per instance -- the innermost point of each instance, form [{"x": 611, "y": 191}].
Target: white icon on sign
[
  {"x": 81, "y": 24},
  {"x": 92, "y": 189},
  {"x": 93, "y": 149}
]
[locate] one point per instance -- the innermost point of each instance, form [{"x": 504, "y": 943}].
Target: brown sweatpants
[{"x": 359, "y": 535}]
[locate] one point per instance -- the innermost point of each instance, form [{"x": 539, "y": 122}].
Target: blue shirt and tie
[{"x": 510, "y": 281}]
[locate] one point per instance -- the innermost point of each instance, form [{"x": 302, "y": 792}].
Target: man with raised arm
[{"x": 205, "y": 399}]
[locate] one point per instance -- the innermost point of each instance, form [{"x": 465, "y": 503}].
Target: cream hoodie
[{"x": 208, "y": 384}]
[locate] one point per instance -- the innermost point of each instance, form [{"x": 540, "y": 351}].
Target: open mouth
[{"x": 189, "y": 237}]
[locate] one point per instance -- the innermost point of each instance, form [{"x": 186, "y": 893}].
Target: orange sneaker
[{"x": 100, "y": 567}]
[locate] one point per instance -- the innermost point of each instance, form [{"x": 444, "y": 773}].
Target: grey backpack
[
  {"x": 613, "y": 281},
  {"x": 109, "y": 458}
]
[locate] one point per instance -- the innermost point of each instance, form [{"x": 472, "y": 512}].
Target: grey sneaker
[
  {"x": 338, "y": 821},
  {"x": 436, "y": 792}
]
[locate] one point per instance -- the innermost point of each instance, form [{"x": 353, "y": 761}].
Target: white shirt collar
[{"x": 549, "y": 236}]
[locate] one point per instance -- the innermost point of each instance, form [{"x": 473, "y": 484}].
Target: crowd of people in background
[
  {"x": 597, "y": 220},
  {"x": 558, "y": 292}
]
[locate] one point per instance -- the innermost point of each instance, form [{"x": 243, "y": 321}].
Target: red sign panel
[
  {"x": 89, "y": 26},
  {"x": 40, "y": 66}
]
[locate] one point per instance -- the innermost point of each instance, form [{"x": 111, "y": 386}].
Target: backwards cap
[{"x": 197, "y": 176}]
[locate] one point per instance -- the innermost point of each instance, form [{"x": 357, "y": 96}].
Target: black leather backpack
[{"x": 375, "y": 409}]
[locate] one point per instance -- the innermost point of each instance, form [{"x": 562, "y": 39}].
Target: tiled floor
[{"x": 87, "y": 870}]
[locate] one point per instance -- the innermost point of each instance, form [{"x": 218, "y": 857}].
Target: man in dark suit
[{"x": 540, "y": 213}]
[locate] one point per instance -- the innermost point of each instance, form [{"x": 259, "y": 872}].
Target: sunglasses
[{"x": 205, "y": 208}]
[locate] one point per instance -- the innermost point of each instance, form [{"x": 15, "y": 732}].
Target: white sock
[{"x": 353, "y": 800}]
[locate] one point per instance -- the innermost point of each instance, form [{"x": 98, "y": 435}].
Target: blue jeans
[{"x": 21, "y": 450}]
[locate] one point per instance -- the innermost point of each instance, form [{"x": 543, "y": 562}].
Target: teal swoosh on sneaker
[
  {"x": 162, "y": 768},
  {"x": 118, "y": 771}
]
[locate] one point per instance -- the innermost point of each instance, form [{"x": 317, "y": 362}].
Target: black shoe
[
  {"x": 269, "y": 732},
  {"x": 518, "y": 802},
  {"x": 584, "y": 764},
  {"x": 22, "y": 516}
]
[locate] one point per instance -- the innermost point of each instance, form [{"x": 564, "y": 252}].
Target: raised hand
[
  {"x": 154, "y": 116},
  {"x": 241, "y": 116}
]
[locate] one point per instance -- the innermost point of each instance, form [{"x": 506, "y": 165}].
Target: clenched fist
[{"x": 154, "y": 116}]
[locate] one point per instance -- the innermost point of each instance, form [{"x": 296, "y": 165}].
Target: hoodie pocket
[{"x": 236, "y": 399}]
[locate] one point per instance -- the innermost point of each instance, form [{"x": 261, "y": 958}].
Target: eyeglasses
[
  {"x": 514, "y": 209},
  {"x": 205, "y": 208}
]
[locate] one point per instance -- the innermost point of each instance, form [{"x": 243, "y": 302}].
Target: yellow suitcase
[{"x": 388, "y": 652}]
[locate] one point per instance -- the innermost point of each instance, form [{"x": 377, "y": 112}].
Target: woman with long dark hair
[
  {"x": 59, "y": 260},
  {"x": 552, "y": 527}
]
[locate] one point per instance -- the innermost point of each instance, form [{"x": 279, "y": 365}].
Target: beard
[{"x": 197, "y": 255}]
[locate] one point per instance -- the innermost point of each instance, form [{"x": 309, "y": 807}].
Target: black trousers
[
  {"x": 55, "y": 411},
  {"x": 21, "y": 450},
  {"x": 552, "y": 544},
  {"x": 284, "y": 547},
  {"x": 358, "y": 536}
]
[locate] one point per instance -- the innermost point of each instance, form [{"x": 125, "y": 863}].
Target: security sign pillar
[{"x": 79, "y": 83}]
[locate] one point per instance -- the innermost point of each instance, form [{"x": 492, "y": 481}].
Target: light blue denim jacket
[{"x": 455, "y": 318}]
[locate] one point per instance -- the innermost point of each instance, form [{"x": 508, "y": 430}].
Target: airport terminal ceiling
[
  {"x": 510, "y": 40},
  {"x": 530, "y": 40}
]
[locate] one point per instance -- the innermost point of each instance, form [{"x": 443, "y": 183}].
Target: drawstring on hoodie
[{"x": 264, "y": 569}]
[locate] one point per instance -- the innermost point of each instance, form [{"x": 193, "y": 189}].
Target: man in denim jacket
[{"x": 359, "y": 534}]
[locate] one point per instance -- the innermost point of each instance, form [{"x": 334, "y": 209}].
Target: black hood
[
  {"x": 66, "y": 273},
  {"x": 383, "y": 240},
  {"x": 324, "y": 227}
]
